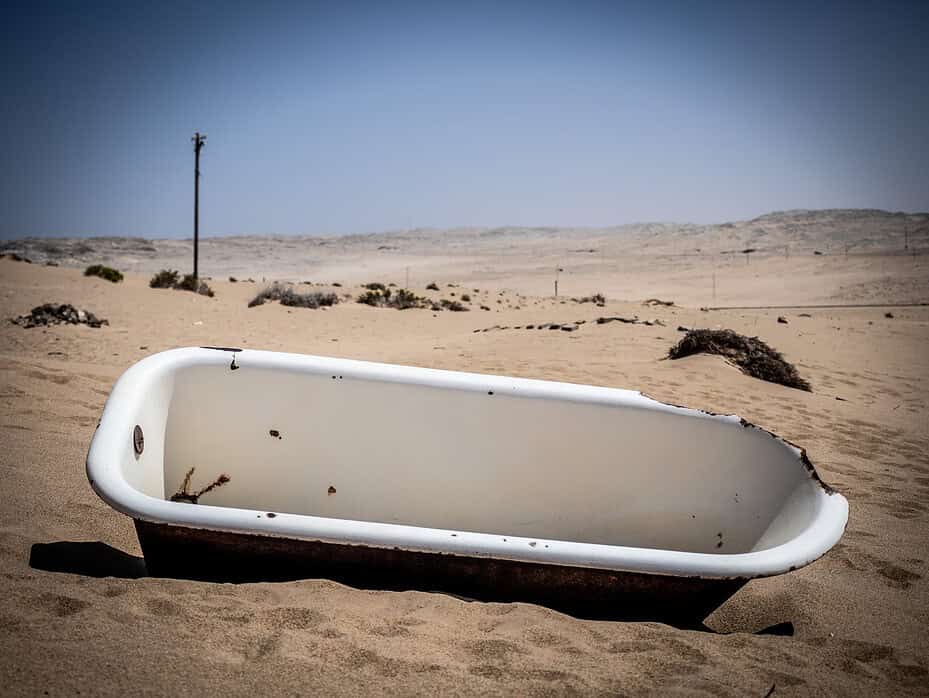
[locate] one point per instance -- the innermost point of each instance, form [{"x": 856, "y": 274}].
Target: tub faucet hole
[{"x": 138, "y": 440}]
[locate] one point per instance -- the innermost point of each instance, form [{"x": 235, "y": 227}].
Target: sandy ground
[{"x": 99, "y": 626}]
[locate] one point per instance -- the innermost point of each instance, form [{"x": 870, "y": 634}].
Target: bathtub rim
[{"x": 116, "y": 424}]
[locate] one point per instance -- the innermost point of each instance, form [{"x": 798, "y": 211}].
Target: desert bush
[
  {"x": 432, "y": 287},
  {"x": 466, "y": 298},
  {"x": 103, "y": 272},
  {"x": 166, "y": 278},
  {"x": 401, "y": 299},
  {"x": 287, "y": 296},
  {"x": 316, "y": 299},
  {"x": 192, "y": 283},
  {"x": 750, "y": 354},
  {"x": 375, "y": 286},
  {"x": 454, "y": 306}
]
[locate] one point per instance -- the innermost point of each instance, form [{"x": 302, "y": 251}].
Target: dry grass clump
[
  {"x": 454, "y": 306},
  {"x": 166, "y": 278},
  {"x": 287, "y": 296},
  {"x": 169, "y": 278},
  {"x": 191, "y": 283},
  {"x": 103, "y": 272},
  {"x": 401, "y": 299},
  {"x": 750, "y": 354},
  {"x": 185, "y": 494}
]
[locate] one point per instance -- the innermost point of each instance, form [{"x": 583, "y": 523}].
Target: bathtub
[{"x": 388, "y": 476}]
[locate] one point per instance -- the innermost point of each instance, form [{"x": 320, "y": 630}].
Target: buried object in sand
[{"x": 401, "y": 477}]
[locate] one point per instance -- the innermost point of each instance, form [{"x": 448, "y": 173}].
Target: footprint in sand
[{"x": 60, "y": 605}]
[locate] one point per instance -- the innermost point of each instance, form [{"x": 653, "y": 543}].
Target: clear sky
[{"x": 344, "y": 117}]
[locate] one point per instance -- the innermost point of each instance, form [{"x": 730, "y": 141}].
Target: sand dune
[{"x": 77, "y": 612}]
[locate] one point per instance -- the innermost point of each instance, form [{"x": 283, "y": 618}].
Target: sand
[{"x": 78, "y": 614}]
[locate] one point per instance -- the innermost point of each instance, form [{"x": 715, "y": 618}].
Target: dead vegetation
[
  {"x": 191, "y": 283},
  {"x": 169, "y": 278},
  {"x": 287, "y": 296},
  {"x": 378, "y": 296},
  {"x": 454, "y": 306},
  {"x": 750, "y": 354},
  {"x": 185, "y": 495},
  {"x": 104, "y": 272},
  {"x": 597, "y": 299},
  {"x": 629, "y": 321},
  {"x": 166, "y": 278}
]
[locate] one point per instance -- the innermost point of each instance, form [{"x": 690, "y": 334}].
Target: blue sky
[{"x": 327, "y": 118}]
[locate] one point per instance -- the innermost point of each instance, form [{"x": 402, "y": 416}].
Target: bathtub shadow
[
  {"x": 91, "y": 559},
  {"x": 684, "y": 604}
]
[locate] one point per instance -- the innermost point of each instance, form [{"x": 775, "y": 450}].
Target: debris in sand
[
  {"x": 15, "y": 257},
  {"x": 657, "y": 301},
  {"x": 185, "y": 495},
  {"x": 630, "y": 321},
  {"x": 51, "y": 314},
  {"x": 750, "y": 354},
  {"x": 597, "y": 299},
  {"x": 781, "y": 319},
  {"x": 889, "y": 315}
]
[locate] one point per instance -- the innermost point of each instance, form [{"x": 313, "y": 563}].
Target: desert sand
[{"x": 79, "y": 614}]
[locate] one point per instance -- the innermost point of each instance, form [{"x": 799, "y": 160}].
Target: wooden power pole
[{"x": 198, "y": 140}]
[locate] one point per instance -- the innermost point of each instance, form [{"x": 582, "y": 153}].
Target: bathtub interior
[{"x": 305, "y": 442}]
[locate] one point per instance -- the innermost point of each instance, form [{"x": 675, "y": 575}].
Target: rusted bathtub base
[{"x": 188, "y": 553}]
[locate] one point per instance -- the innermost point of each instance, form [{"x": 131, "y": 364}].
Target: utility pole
[
  {"x": 906, "y": 237},
  {"x": 198, "y": 140}
]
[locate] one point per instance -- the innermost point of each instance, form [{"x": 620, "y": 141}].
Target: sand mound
[{"x": 750, "y": 354}]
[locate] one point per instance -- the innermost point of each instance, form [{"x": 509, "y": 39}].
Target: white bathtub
[{"x": 421, "y": 478}]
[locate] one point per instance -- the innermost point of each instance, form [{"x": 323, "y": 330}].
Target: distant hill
[{"x": 828, "y": 231}]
